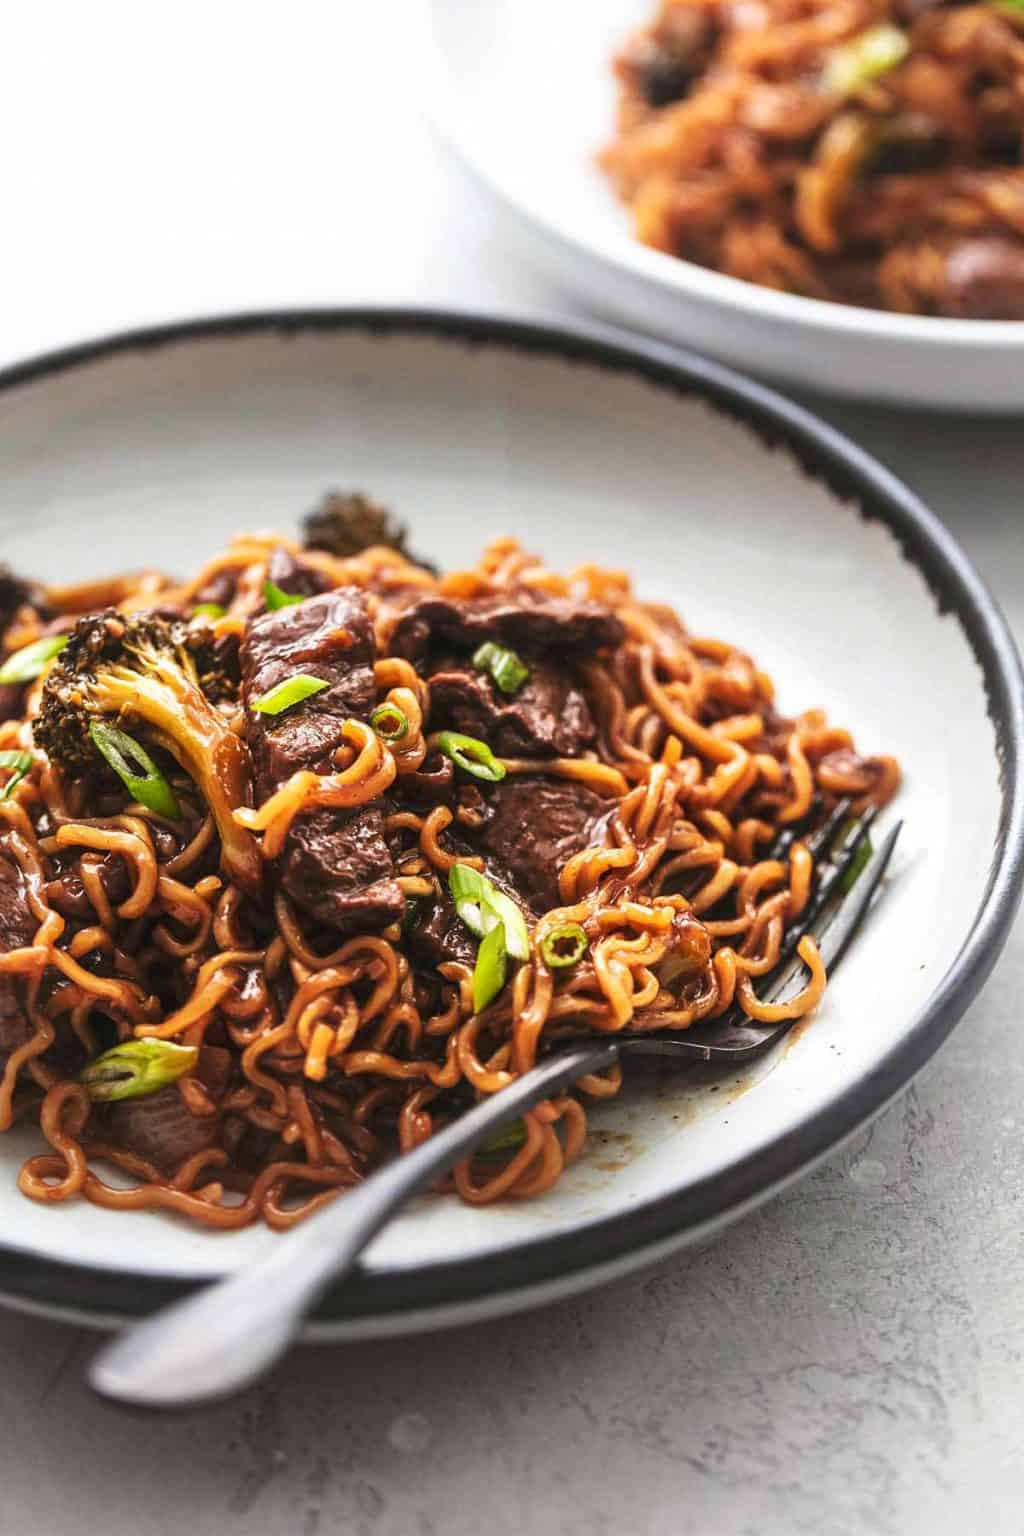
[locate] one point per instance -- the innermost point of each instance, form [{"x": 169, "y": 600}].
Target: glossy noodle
[{"x": 234, "y": 981}]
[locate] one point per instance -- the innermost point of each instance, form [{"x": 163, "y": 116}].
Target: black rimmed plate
[{"x": 753, "y": 518}]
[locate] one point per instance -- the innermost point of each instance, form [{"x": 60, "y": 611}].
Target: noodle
[{"x": 322, "y": 1050}]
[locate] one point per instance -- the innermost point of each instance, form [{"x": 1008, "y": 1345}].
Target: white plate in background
[{"x": 522, "y": 89}]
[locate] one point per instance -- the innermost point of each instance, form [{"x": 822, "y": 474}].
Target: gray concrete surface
[{"x": 845, "y": 1362}]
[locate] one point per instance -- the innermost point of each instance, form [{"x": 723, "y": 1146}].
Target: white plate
[
  {"x": 522, "y": 90},
  {"x": 154, "y": 450}
]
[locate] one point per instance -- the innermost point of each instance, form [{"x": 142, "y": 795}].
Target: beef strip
[
  {"x": 528, "y": 621},
  {"x": 220, "y": 589},
  {"x": 530, "y": 826},
  {"x": 533, "y": 827},
  {"x": 338, "y": 868},
  {"x": 160, "y": 1127},
  {"x": 547, "y": 717},
  {"x": 17, "y": 930},
  {"x": 336, "y": 864},
  {"x": 329, "y": 637},
  {"x": 294, "y": 576}
]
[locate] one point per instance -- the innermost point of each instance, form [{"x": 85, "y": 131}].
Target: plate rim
[
  {"x": 674, "y": 275},
  {"x": 390, "y": 1298}
]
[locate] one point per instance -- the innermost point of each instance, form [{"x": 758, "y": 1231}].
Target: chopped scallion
[
  {"x": 136, "y": 769},
  {"x": 275, "y": 598},
  {"x": 482, "y": 906},
  {"x": 136, "y": 1067},
  {"x": 563, "y": 946},
  {"x": 28, "y": 663},
  {"x": 208, "y": 611},
  {"x": 507, "y": 669},
  {"x": 390, "y": 722},
  {"x": 491, "y": 968},
  {"x": 289, "y": 692},
  {"x": 20, "y": 763},
  {"x": 471, "y": 755},
  {"x": 865, "y": 58},
  {"x": 509, "y": 1139}
]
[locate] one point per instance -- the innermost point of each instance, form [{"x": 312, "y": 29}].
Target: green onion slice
[
  {"x": 509, "y": 1139},
  {"x": 136, "y": 769},
  {"x": 491, "y": 968},
  {"x": 289, "y": 692},
  {"x": 275, "y": 598},
  {"x": 136, "y": 1067},
  {"x": 507, "y": 669},
  {"x": 29, "y": 662},
  {"x": 471, "y": 755},
  {"x": 483, "y": 907},
  {"x": 564, "y": 945},
  {"x": 20, "y": 763},
  {"x": 208, "y": 611},
  {"x": 1014, "y": 7},
  {"x": 390, "y": 722},
  {"x": 865, "y": 58}
]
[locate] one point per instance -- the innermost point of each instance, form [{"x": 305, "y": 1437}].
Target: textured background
[{"x": 846, "y": 1360}]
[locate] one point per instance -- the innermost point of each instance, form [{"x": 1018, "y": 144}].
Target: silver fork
[{"x": 221, "y": 1338}]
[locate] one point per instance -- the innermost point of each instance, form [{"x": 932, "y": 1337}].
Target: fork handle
[{"x": 225, "y": 1335}]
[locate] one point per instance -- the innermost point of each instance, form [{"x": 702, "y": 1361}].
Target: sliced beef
[
  {"x": 528, "y": 622},
  {"x": 338, "y": 868},
  {"x": 533, "y": 827},
  {"x": 547, "y": 717},
  {"x": 294, "y": 576},
  {"x": 336, "y": 864},
  {"x": 161, "y": 1128},
  {"x": 17, "y": 930},
  {"x": 220, "y": 589},
  {"x": 330, "y": 637}
]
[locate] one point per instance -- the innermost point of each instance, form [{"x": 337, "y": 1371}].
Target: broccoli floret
[
  {"x": 347, "y": 522},
  {"x": 138, "y": 668}
]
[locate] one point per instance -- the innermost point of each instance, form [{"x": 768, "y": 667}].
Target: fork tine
[
  {"x": 734, "y": 1037},
  {"x": 827, "y": 888},
  {"x": 783, "y": 841},
  {"x": 733, "y": 1032},
  {"x": 817, "y": 842},
  {"x": 843, "y": 918},
  {"x": 837, "y": 935}
]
